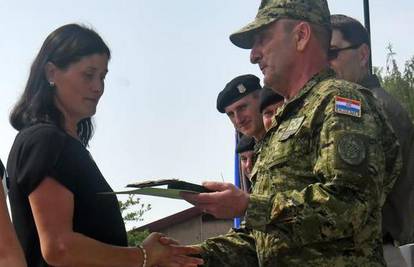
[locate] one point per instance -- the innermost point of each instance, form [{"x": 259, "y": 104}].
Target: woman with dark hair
[
  {"x": 11, "y": 253},
  {"x": 59, "y": 215}
]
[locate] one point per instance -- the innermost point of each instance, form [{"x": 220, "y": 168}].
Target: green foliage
[
  {"x": 136, "y": 238},
  {"x": 132, "y": 211},
  {"x": 397, "y": 83}
]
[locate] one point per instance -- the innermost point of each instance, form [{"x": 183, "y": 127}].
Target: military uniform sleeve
[
  {"x": 236, "y": 248},
  {"x": 349, "y": 172}
]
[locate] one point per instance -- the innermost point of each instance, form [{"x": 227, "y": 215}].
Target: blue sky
[{"x": 157, "y": 118}]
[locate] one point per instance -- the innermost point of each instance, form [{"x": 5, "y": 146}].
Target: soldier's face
[
  {"x": 273, "y": 50},
  {"x": 246, "y": 162},
  {"x": 268, "y": 114},
  {"x": 245, "y": 115},
  {"x": 348, "y": 64}
]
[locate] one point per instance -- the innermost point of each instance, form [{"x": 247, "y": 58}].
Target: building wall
[
  {"x": 215, "y": 228},
  {"x": 196, "y": 230}
]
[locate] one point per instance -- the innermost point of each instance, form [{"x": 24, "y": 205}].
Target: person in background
[
  {"x": 270, "y": 101},
  {"x": 240, "y": 101},
  {"x": 11, "y": 253},
  {"x": 245, "y": 149},
  {"x": 60, "y": 215},
  {"x": 349, "y": 57}
]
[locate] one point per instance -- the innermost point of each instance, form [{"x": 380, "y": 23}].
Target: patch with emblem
[
  {"x": 242, "y": 89},
  {"x": 351, "y": 149},
  {"x": 291, "y": 128},
  {"x": 347, "y": 106}
]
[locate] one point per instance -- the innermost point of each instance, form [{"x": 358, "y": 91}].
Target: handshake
[
  {"x": 159, "y": 250},
  {"x": 222, "y": 200}
]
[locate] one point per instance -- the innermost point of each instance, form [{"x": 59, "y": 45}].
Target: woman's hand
[{"x": 164, "y": 251}]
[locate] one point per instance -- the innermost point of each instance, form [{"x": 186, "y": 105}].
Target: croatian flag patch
[{"x": 347, "y": 106}]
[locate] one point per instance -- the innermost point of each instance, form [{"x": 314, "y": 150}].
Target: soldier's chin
[
  {"x": 246, "y": 131},
  {"x": 269, "y": 83}
]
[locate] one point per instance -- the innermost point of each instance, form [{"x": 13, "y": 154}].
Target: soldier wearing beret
[
  {"x": 325, "y": 167},
  {"x": 240, "y": 101},
  {"x": 270, "y": 101},
  {"x": 245, "y": 149}
]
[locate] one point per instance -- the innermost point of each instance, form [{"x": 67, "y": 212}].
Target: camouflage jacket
[{"x": 321, "y": 177}]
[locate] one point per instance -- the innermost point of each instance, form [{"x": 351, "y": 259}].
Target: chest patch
[
  {"x": 290, "y": 128},
  {"x": 347, "y": 106}
]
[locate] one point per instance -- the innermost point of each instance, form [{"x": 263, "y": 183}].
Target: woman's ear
[
  {"x": 50, "y": 71},
  {"x": 302, "y": 35}
]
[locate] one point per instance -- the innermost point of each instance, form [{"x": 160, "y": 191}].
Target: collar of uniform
[
  {"x": 322, "y": 75},
  {"x": 370, "y": 81},
  {"x": 277, "y": 115},
  {"x": 258, "y": 146}
]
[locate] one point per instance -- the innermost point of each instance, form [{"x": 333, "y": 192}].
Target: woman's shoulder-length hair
[{"x": 64, "y": 46}]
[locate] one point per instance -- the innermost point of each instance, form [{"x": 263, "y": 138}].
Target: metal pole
[
  {"x": 368, "y": 27},
  {"x": 237, "y": 177}
]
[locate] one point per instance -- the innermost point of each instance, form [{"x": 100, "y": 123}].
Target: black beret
[
  {"x": 245, "y": 143},
  {"x": 236, "y": 89},
  {"x": 269, "y": 97}
]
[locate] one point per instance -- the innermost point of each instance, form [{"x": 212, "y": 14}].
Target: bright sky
[{"x": 157, "y": 118}]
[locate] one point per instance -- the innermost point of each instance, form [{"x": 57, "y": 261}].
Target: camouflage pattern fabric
[
  {"x": 320, "y": 180},
  {"x": 314, "y": 11}
]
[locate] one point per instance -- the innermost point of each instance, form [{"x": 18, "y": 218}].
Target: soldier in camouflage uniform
[{"x": 325, "y": 166}]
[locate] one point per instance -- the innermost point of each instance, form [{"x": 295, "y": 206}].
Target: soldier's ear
[
  {"x": 363, "y": 55},
  {"x": 302, "y": 35}
]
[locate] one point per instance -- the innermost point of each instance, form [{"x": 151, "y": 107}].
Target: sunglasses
[{"x": 333, "y": 53}]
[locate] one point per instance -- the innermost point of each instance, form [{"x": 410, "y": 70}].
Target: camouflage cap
[{"x": 314, "y": 11}]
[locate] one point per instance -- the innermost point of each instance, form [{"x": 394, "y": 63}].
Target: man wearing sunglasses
[
  {"x": 349, "y": 56},
  {"x": 349, "y": 51}
]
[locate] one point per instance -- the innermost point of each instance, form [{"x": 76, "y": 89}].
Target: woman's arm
[
  {"x": 52, "y": 208},
  {"x": 11, "y": 253}
]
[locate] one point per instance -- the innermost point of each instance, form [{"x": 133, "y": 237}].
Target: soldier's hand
[
  {"x": 164, "y": 251},
  {"x": 227, "y": 202}
]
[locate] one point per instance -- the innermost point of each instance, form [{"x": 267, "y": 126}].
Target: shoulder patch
[
  {"x": 351, "y": 149},
  {"x": 347, "y": 106}
]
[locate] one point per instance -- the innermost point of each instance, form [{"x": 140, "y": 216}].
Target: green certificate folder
[{"x": 172, "y": 189}]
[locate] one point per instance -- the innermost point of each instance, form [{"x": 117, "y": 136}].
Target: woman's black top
[{"x": 43, "y": 150}]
